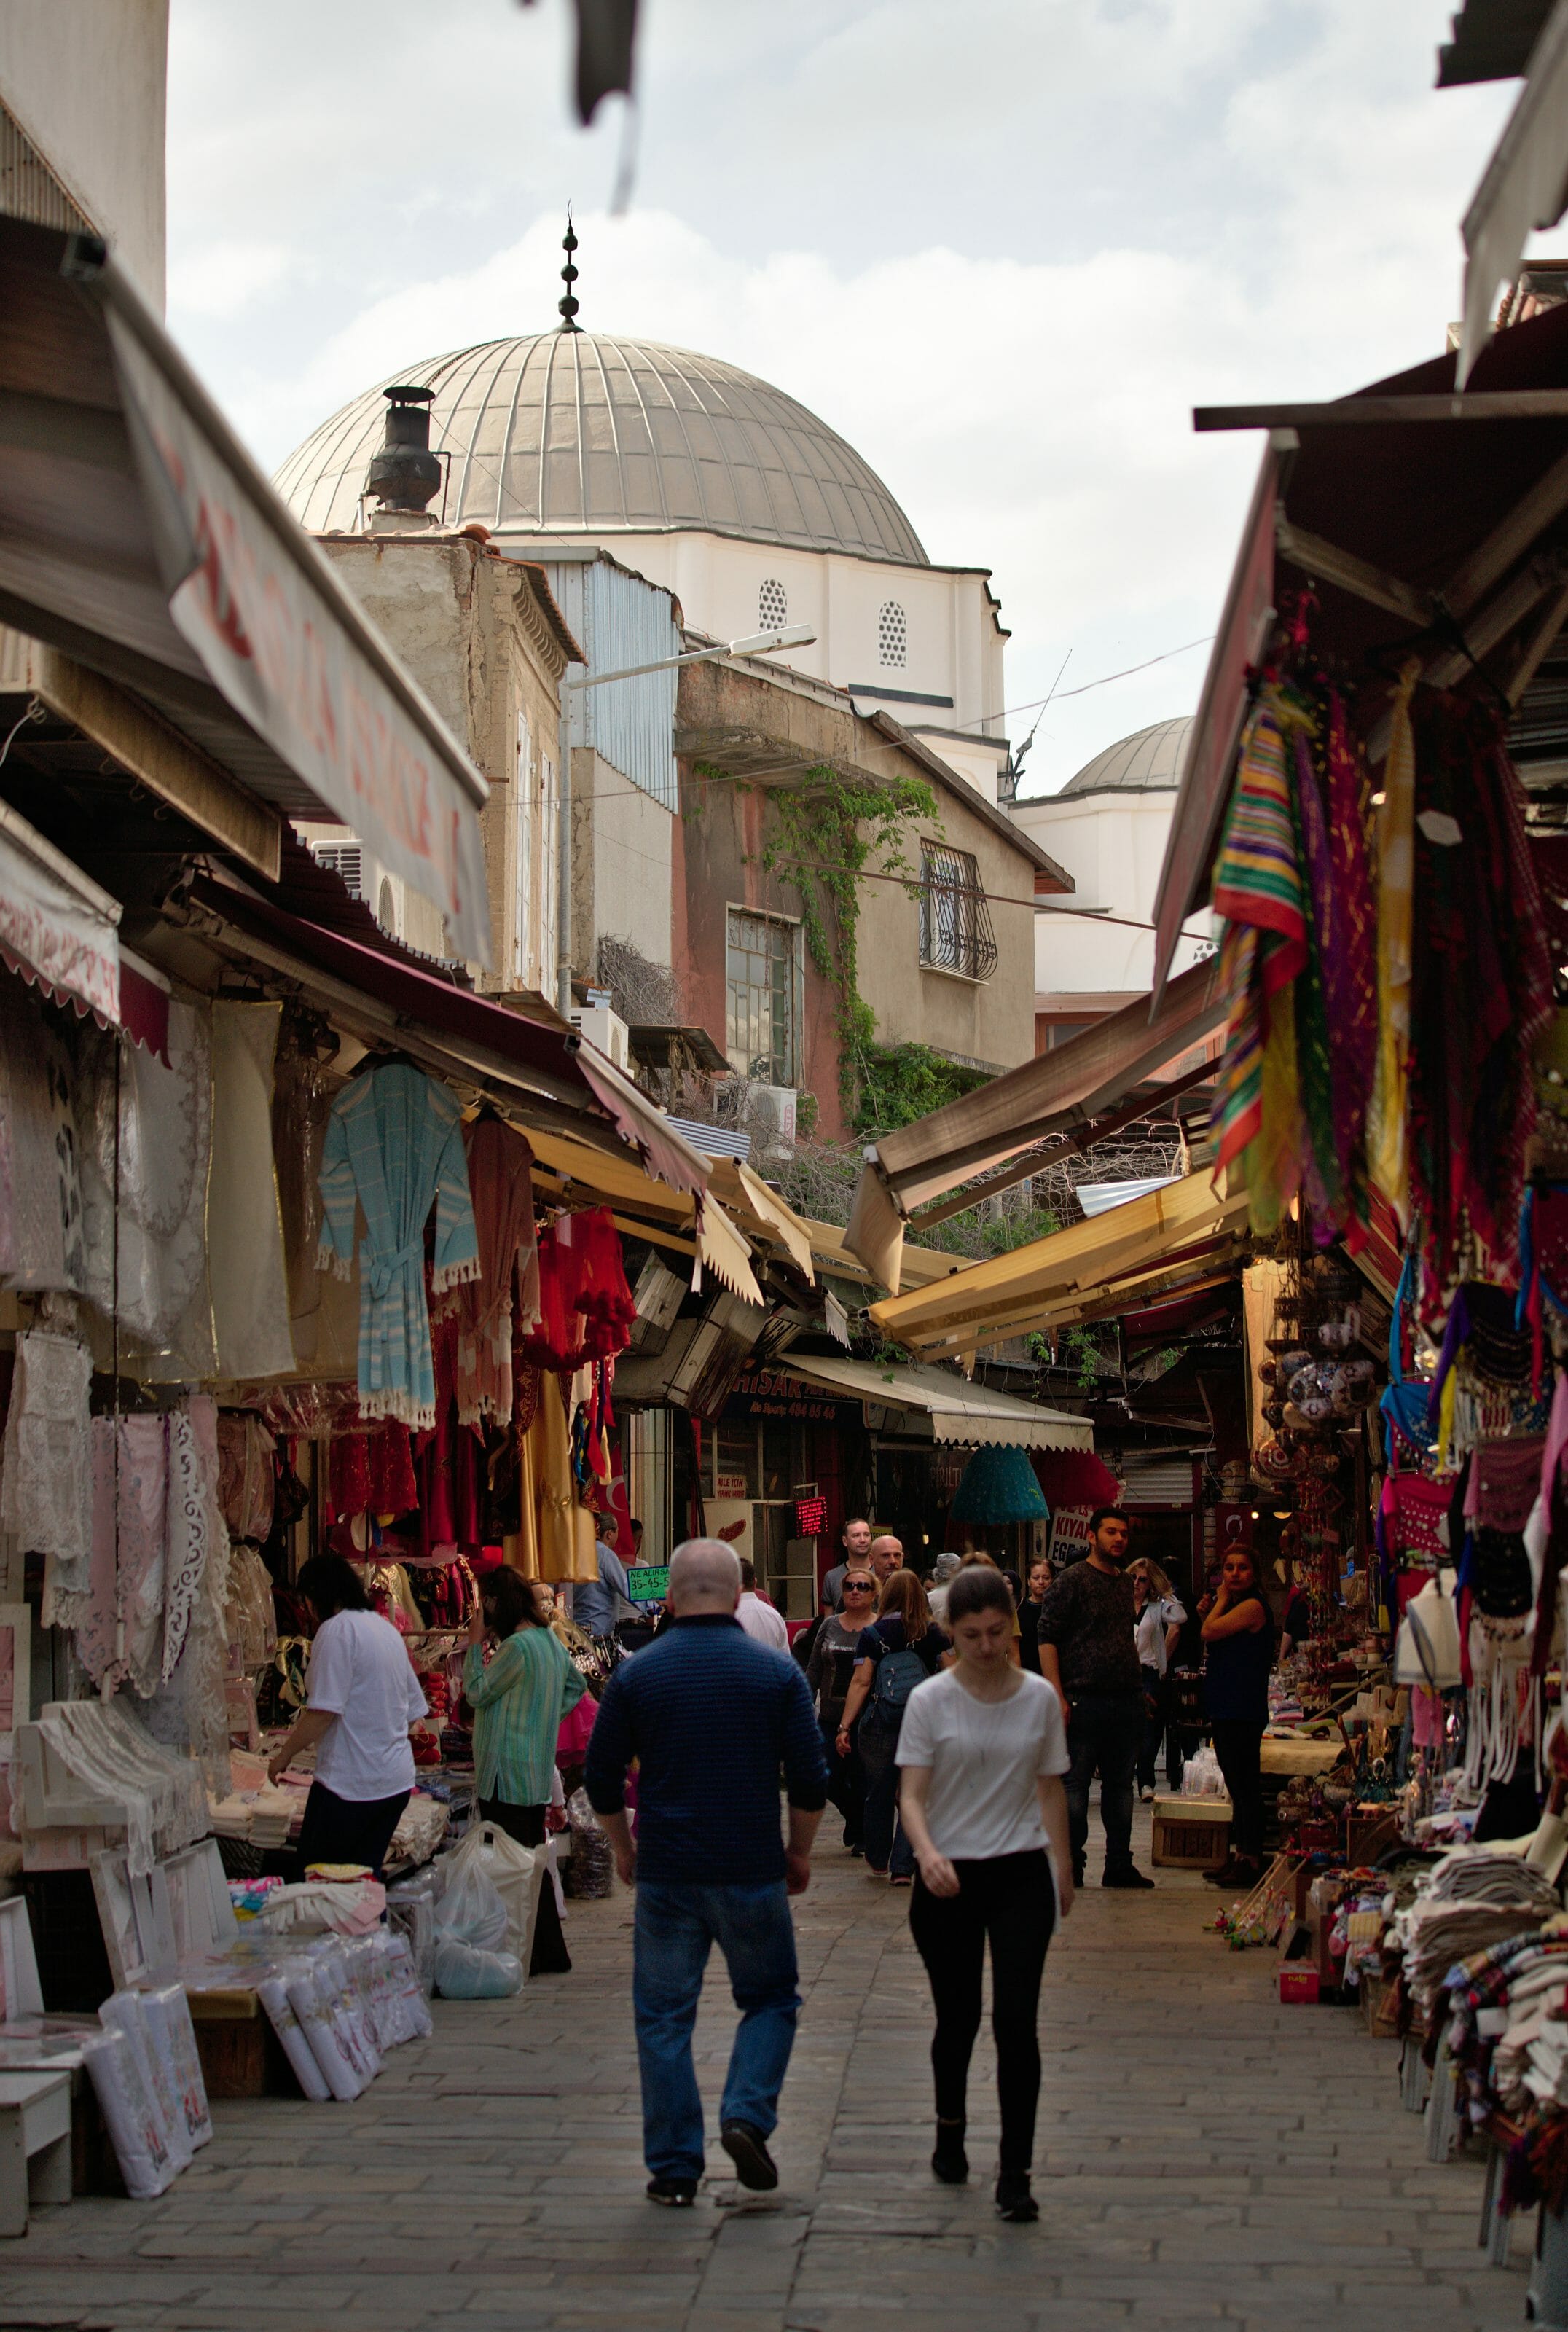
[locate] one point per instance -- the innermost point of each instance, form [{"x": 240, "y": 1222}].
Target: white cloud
[{"x": 1004, "y": 250}]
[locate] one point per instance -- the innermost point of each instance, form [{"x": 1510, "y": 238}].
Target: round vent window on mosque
[
  {"x": 773, "y": 605},
  {"x": 892, "y": 634}
]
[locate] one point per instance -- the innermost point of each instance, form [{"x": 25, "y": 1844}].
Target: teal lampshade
[{"x": 999, "y": 1486}]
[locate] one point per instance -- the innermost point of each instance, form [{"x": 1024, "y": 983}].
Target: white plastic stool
[{"x": 34, "y": 2144}]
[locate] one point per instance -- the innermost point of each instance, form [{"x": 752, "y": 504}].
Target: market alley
[{"x": 1205, "y": 2157}]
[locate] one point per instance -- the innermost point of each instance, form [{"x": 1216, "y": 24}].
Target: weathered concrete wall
[
  {"x": 622, "y": 846},
  {"x": 85, "y": 80},
  {"x": 472, "y": 631}
]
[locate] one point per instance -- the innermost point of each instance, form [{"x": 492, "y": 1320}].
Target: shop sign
[
  {"x": 811, "y": 1517},
  {"x": 769, "y": 1392},
  {"x": 648, "y": 1584},
  {"x": 1069, "y": 1535},
  {"x": 729, "y": 1486}
]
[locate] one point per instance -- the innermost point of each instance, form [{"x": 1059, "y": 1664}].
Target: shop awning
[
  {"x": 141, "y": 540},
  {"x": 968, "y": 1414},
  {"x": 1120, "y": 1260},
  {"x": 565, "y": 1083},
  {"x": 57, "y": 927},
  {"x": 834, "y": 1254},
  {"x": 1069, "y": 1090},
  {"x": 1420, "y": 519}
]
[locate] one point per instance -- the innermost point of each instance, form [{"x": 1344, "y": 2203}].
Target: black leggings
[
  {"x": 348, "y": 1830},
  {"x": 1011, "y": 1899},
  {"x": 1237, "y": 1744}
]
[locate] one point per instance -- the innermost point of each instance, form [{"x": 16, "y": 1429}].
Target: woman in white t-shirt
[
  {"x": 362, "y": 1696},
  {"x": 983, "y": 1749}
]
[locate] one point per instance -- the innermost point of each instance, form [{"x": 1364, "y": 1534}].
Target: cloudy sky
[{"x": 1002, "y": 246}]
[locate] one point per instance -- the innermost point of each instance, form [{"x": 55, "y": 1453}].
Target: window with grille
[
  {"x": 893, "y": 634},
  {"x": 773, "y": 605},
  {"x": 956, "y": 924},
  {"x": 760, "y": 979},
  {"x": 340, "y": 858}
]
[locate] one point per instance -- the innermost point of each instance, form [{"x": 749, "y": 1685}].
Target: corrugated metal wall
[
  {"x": 621, "y": 620},
  {"x": 29, "y": 188}
]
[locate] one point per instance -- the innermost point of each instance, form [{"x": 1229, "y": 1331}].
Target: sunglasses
[{"x": 858, "y": 1587}]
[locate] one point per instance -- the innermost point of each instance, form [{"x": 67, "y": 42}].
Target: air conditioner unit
[
  {"x": 344, "y": 858},
  {"x": 599, "y": 1026},
  {"x": 771, "y": 1109}
]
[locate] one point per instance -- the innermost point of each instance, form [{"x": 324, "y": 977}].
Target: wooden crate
[
  {"x": 1190, "y": 1833},
  {"x": 242, "y": 2056}
]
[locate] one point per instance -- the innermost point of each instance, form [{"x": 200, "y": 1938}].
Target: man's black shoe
[
  {"x": 674, "y": 2194},
  {"x": 1128, "y": 1879},
  {"x": 754, "y": 2165}
]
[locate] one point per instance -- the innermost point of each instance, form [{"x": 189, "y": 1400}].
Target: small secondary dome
[
  {"x": 1148, "y": 762},
  {"x": 574, "y": 433}
]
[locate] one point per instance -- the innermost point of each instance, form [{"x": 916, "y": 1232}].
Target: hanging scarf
[
  {"x": 1323, "y": 1177},
  {"x": 1260, "y": 891},
  {"x": 1543, "y": 1264},
  {"x": 1351, "y": 977},
  {"x": 1386, "y": 1151}
]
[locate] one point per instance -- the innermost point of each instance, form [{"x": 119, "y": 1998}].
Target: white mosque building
[
  {"x": 707, "y": 481},
  {"x": 1108, "y": 826}
]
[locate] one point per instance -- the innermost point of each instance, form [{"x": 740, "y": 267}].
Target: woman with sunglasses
[{"x": 828, "y": 1672}]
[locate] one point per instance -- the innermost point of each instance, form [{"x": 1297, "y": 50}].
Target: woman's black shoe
[
  {"x": 950, "y": 2161},
  {"x": 1014, "y": 2200}
]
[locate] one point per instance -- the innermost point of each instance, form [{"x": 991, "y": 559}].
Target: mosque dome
[
  {"x": 574, "y": 433},
  {"x": 1148, "y": 762}
]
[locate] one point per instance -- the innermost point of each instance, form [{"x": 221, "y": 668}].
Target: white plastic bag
[
  {"x": 472, "y": 1911},
  {"x": 313, "y": 2007},
  {"x": 464, "y": 1972},
  {"x": 411, "y": 1991},
  {"x": 1201, "y": 1776},
  {"x": 510, "y": 1868}
]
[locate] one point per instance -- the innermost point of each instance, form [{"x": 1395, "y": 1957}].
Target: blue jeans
[
  {"x": 675, "y": 1927},
  {"x": 886, "y": 1848},
  {"x": 1103, "y": 1735}
]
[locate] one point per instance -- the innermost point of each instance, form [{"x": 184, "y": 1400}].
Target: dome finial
[{"x": 569, "y": 306}]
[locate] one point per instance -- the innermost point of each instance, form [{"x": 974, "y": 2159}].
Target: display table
[
  {"x": 34, "y": 2144},
  {"x": 1301, "y": 1760}
]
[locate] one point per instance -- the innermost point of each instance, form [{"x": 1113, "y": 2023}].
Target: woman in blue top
[
  {"x": 1237, "y": 1654},
  {"x": 904, "y": 1633}
]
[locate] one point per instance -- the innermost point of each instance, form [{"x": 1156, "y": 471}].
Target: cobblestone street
[{"x": 1205, "y": 2155}]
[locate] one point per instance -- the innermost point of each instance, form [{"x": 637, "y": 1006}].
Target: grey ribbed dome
[
  {"x": 1149, "y": 761},
  {"x": 581, "y": 433}
]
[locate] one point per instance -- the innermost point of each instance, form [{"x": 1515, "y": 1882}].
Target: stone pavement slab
[{"x": 1205, "y": 2157}]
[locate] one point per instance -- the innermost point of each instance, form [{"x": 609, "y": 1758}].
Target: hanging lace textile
[
  {"x": 189, "y": 1709},
  {"x": 1260, "y": 891},
  {"x": 247, "y": 1475},
  {"x": 501, "y": 1185},
  {"x": 45, "y": 1469},
  {"x": 40, "y": 1196},
  {"x": 586, "y": 1311},
  {"x": 245, "y": 1228},
  {"x": 1481, "y": 989},
  {"x": 394, "y": 1142},
  {"x": 160, "y": 1169}
]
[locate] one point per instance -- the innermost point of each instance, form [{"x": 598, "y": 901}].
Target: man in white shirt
[{"x": 758, "y": 1619}]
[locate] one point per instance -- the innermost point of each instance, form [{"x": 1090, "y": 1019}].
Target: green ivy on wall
[
  {"x": 899, "y": 1083},
  {"x": 824, "y": 831}
]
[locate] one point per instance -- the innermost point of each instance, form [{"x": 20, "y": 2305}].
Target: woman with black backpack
[{"x": 899, "y": 1651}]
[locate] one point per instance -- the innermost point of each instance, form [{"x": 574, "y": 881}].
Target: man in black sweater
[
  {"x": 1089, "y": 1651},
  {"x": 711, "y": 1716}
]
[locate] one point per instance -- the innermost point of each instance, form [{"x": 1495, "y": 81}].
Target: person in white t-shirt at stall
[
  {"x": 983, "y": 1749},
  {"x": 762, "y": 1620},
  {"x": 362, "y": 1695}
]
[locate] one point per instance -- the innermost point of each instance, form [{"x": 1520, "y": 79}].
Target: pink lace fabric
[
  {"x": 189, "y": 1710},
  {"x": 44, "y": 1500},
  {"x": 122, "y": 1637}
]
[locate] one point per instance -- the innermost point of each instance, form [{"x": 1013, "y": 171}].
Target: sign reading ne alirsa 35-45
[{"x": 648, "y": 1584}]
